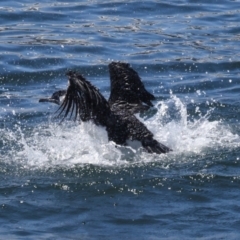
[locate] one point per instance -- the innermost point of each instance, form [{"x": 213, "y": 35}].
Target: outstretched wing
[
  {"x": 126, "y": 86},
  {"x": 84, "y": 100}
]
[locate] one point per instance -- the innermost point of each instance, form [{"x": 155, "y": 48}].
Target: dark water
[{"x": 67, "y": 181}]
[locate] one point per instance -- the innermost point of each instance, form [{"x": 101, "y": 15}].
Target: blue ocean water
[{"x": 67, "y": 181}]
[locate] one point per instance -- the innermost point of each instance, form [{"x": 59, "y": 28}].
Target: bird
[{"x": 128, "y": 96}]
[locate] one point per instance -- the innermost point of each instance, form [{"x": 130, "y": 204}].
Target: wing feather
[
  {"x": 87, "y": 101},
  {"x": 126, "y": 86}
]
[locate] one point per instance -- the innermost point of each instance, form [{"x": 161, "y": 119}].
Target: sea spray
[
  {"x": 173, "y": 126},
  {"x": 74, "y": 144}
]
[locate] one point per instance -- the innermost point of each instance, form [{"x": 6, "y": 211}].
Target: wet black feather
[{"x": 128, "y": 96}]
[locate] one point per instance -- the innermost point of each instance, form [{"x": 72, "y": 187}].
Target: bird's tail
[{"x": 153, "y": 146}]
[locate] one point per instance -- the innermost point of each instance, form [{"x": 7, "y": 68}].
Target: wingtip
[
  {"x": 115, "y": 64},
  {"x": 70, "y": 73}
]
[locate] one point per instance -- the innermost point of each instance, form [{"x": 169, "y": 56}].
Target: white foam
[
  {"x": 183, "y": 135},
  {"x": 71, "y": 144}
]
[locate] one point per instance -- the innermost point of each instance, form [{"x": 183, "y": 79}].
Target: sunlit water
[
  {"x": 66, "y": 181},
  {"x": 75, "y": 144}
]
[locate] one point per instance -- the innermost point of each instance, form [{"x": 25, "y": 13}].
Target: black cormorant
[{"x": 128, "y": 96}]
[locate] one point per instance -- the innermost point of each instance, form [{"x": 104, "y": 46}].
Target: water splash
[
  {"x": 171, "y": 125},
  {"x": 70, "y": 144}
]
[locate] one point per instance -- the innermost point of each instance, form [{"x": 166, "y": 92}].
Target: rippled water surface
[{"x": 67, "y": 181}]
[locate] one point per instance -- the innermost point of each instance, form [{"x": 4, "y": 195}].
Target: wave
[{"x": 69, "y": 144}]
